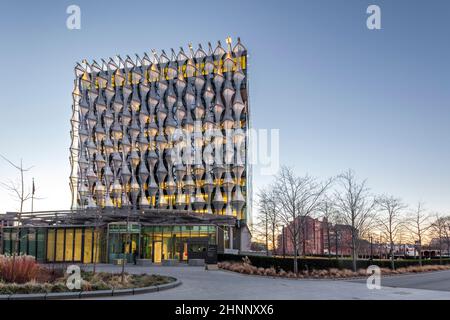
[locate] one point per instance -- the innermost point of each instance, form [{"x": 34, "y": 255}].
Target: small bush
[
  {"x": 322, "y": 263},
  {"x": 246, "y": 267},
  {"x": 18, "y": 269}
]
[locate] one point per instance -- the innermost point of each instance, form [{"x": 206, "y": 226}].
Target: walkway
[{"x": 199, "y": 284}]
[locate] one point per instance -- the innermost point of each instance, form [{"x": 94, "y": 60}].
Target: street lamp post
[
  {"x": 267, "y": 236},
  {"x": 336, "y": 239},
  {"x": 371, "y": 248}
]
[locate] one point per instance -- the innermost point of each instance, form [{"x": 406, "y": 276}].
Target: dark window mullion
[
  {"x": 92, "y": 245},
  {"x": 36, "y": 244},
  {"x": 55, "y": 240},
  {"x": 64, "y": 246},
  {"x": 74, "y": 237},
  {"x": 82, "y": 244}
]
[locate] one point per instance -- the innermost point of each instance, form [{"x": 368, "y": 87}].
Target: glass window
[
  {"x": 7, "y": 241},
  {"x": 97, "y": 241},
  {"x": 212, "y": 235},
  {"x": 78, "y": 244},
  {"x": 32, "y": 242},
  {"x": 146, "y": 246},
  {"x": 69, "y": 245},
  {"x": 166, "y": 248},
  {"x": 23, "y": 241},
  {"x": 204, "y": 231},
  {"x": 51, "y": 245},
  {"x": 167, "y": 230},
  {"x": 195, "y": 233},
  {"x": 59, "y": 255},
  {"x": 40, "y": 241},
  {"x": 87, "y": 257},
  {"x": 115, "y": 246}
]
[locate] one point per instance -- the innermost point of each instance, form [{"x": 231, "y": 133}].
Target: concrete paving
[
  {"x": 438, "y": 280},
  {"x": 199, "y": 284}
]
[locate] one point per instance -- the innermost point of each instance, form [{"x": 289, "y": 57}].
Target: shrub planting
[
  {"x": 313, "y": 263},
  {"x": 246, "y": 267},
  {"x": 22, "y": 274},
  {"x": 18, "y": 269}
]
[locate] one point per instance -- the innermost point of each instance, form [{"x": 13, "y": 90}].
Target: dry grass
[
  {"x": 22, "y": 274},
  {"x": 18, "y": 269},
  {"x": 246, "y": 267}
]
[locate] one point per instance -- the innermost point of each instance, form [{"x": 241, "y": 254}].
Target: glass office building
[
  {"x": 80, "y": 244},
  {"x": 158, "y": 160}
]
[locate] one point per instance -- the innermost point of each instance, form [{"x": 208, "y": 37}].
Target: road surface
[
  {"x": 438, "y": 280},
  {"x": 199, "y": 284}
]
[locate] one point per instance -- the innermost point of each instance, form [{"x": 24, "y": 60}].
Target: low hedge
[{"x": 287, "y": 264}]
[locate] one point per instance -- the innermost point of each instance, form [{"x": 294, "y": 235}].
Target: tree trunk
[
  {"x": 337, "y": 244},
  {"x": 267, "y": 237},
  {"x": 2, "y": 237},
  {"x": 124, "y": 256},
  {"x": 392, "y": 257},
  {"x": 354, "y": 251},
  {"x": 295, "y": 257},
  {"x": 273, "y": 240},
  {"x": 420, "y": 256},
  {"x": 329, "y": 241}
]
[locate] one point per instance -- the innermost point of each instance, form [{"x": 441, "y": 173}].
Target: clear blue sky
[{"x": 342, "y": 96}]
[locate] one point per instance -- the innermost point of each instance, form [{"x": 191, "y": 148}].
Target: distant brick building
[
  {"x": 316, "y": 238},
  {"x": 441, "y": 244}
]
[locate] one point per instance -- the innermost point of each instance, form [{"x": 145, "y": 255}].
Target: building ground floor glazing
[{"x": 82, "y": 244}]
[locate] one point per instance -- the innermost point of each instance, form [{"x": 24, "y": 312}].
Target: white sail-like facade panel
[{"x": 163, "y": 132}]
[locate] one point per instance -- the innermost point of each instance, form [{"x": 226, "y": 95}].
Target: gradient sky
[{"x": 342, "y": 96}]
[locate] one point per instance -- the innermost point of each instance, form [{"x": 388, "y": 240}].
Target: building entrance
[
  {"x": 180, "y": 243},
  {"x": 157, "y": 248},
  {"x": 123, "y": 241},
  {"x": 197, "y": 248}
]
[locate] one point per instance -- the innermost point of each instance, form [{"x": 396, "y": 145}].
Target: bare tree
[
  {"x": 18, "y": 192},
  {"x": 418, "y": 225},
  {"x": 438, "y": 229},
  {"x": 356, "y": 208},
  {"x": 391, "y": 220},
  {"x": 268, "y": 217},
  {"x": 17, "y": 189},
  {"x": 447, "y": 234},
  {"x": 298, "y": 198}
]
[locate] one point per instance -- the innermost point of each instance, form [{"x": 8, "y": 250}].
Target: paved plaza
[{"x": 199, "y": 284}]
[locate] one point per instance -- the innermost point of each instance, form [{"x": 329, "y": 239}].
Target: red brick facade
[{"x": 316, "y": 238}]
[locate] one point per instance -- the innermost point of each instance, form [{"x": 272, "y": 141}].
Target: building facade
[
  {"x": 158, "y": 160},
  {"x": 317, "y": 237}
]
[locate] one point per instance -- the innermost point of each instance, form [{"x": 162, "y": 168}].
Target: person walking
[{"x": 135, "y": 255}]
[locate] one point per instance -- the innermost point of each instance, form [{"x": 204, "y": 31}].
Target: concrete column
[{"x": 230, "y": 235}]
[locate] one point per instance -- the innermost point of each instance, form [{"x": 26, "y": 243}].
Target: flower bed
[
  {"x": 246, "y": 267},
  {"x": 322, "y": 263},
  {"x": 22, "y": 275}
]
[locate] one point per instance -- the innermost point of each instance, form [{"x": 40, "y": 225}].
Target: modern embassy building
[{"x": 159, "y": 162}]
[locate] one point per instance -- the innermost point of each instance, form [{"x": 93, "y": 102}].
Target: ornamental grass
[
  {"x": 18, "y": 269},
  {"x": 246, "y": 267}
]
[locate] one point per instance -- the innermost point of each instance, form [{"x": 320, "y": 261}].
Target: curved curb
[
  {"x": 90, "y": 294},
  {"x": 332, "y": 279}
]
